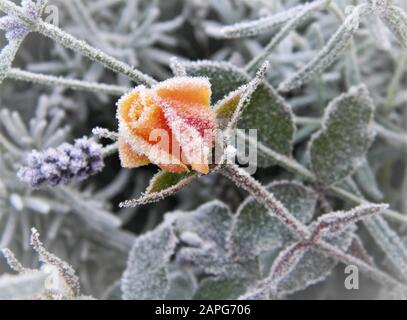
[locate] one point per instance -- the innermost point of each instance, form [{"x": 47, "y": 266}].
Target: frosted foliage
[
  {"x": 23, "y": 286},
  {"x": 255, "y": 27},
  {"x": 255, "y": 231},
  {"x": 182, "y": 285},
  {"x": 146, "y": 276},
  {"x": 389, "y": 242},
  {"x": 211, "y": 224},
  {"x": 336, "y": 222},
  {"x": 396, "y": 20},
  {"x": 314, "y": 267},
  {"x": 220, "y": 288},
  {"x": 340, "y": 147},
  {"x": 265, "y": 106},
  {"x": 64, "y": 65},
  {"x": 328, "y": 54}
]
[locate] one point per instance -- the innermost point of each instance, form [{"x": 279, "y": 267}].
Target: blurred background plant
[{"x": 81, "y": 222}]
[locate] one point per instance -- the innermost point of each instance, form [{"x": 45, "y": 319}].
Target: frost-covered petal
[
  {"x": 130, "y": 159},
  {"x": 195, "y": 149},
  {"x": 193, "y": 91}
]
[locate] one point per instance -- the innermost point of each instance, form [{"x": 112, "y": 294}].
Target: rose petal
[
  {"x": 130, "y": 159},
  {"x": 154, "y": 152},
  {"x": 189, "y": 91},
  {"x": 195, "y": 148}
]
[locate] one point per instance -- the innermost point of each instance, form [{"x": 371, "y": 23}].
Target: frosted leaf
[
  {"x": 210, "y": 223},
  {"x": 328, "y": 54},
  {"x": 164, "y": 180},
  {"x": 254, "y": 27},
  {"x": 183, "y": 284},
  {"x": 314, "y": 266},
  {"x": 255, "y": 231},
  {"x": 246, "y": 96},
  {"x": 367, "y": 182},
  {"x": 220, "y": 288},
  {"x": 146, "y": 275},
  {"x": 339, "y": 148},
  {"x": 389, "y": 242},
  {"x": 29, "y": 285},
  {"x": 335, "y": 222},
  {"x": 177, "y": 67},
  {"x": 162, "y": 185},
  {"x": 266, "y": 107},
  {"x": 396, "y": 20},
  {"x": 285, "y": 263}
]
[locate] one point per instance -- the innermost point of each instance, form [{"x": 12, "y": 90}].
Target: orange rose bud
[{"x": 171, "y": 125}]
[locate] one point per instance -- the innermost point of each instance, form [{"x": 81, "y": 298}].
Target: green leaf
[
  {"x": 146, "y": 275},
  {"x": 339, "y": 148},
  {"x": 162, "y": 185},
  {"x": 255, "y": 231},
  {"x": 267, "y": 111},
  {"x": 164, "y": 180}
]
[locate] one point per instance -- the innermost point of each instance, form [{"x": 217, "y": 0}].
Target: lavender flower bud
[
  {"x": 16, "y": 29},
  {"x": 63, "y": 164}
]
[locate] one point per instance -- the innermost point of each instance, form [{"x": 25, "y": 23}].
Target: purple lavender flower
[
  {"x": 14, "y": 27},
  {"x": 63, "y": 164}
]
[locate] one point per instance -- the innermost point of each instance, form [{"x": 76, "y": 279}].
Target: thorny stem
[
  {"x": 299, "y": 230},
  {"x": 75, "y": 44},
  {"x": 49, "y": 80}
]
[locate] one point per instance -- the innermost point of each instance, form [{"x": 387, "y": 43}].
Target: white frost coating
[
  {"x": 195, "y": 148},
  {"x": 396, "y": 20},
  {"x": 184, "y": 82},
  {"x": 335, "y": 46},
  {"x": 24, "y": 286},
  {"x": 335, "y": 222},
  {"x": 255, "y": 231},
  {"x": 146, "y": 276},
  {"x": 191, "y": 239},
  {"x": 339, "y": 148},
  {"x": 255, "y": 27}
]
